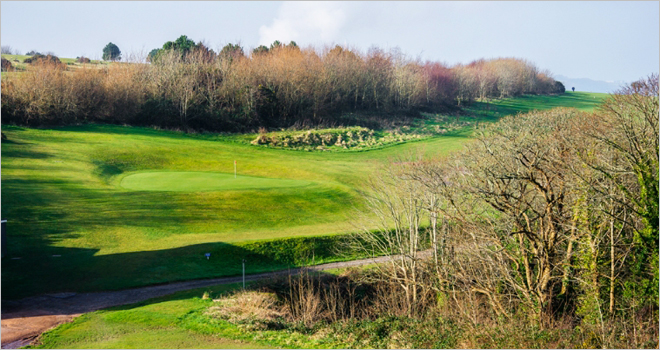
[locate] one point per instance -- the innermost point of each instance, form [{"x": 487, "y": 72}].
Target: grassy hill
[
  {"x": 17, "y": 61},
  {"x": 20, "y": 58},
  {"x": 86, "y": 208}
]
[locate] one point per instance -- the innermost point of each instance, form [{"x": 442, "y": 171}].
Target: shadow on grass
[
  {"x": 21, "y": 150},
  {"x": 42, "y": 212},
  {"x": 81, "y": 270},
  {"x": 34, "y": 264},
  {"x": 189, "y": 263},
  {"x": 39, "y": 214},
  {"x": 499, "y": 108},
  {"x": 111, "y": 129}
]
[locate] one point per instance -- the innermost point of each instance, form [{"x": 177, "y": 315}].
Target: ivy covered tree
[
  {"x": 111, "y": 52},
  {"x": 232, "y": 51},
  {"x": 152, "y": 55},
  {"x": 182, "y": 44},
  {"x": 259, "y": 50}
]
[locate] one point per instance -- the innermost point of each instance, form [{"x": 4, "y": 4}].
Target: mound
[{"x": 191, "y": 181}]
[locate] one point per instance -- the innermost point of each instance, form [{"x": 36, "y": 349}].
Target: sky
[{"x": 609, "y": 40}]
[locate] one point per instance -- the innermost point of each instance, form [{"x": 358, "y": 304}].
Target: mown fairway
[
  {"x": 107, "y": 207},
  {"x": 190, "y": 181}
]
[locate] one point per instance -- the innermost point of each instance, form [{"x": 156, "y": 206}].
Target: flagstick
[{"x": 234, "y": 169}]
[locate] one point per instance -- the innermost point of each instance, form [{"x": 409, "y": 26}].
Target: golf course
[
  {"x": 329, "y": 175},
  {"x": 105, "y": 207}
]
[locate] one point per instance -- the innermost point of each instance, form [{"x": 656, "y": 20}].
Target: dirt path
[{"x": 25, "y": 319}]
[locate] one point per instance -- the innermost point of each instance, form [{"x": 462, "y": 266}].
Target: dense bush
[
  {"x": 282, "y": 86},
  {"x": 7, "y": 66},
  {"x": 39, "y": 58},
  {"x": 83, "y": 59}
]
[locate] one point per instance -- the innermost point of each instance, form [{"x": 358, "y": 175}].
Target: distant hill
[{"x": 589, "y": 85}]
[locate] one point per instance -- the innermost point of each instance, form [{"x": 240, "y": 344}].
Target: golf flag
[{"x": 234, "y": 169}]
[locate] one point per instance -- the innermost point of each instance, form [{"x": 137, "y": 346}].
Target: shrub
[
  {"x": 559, "y": 87},
  {"x": 39, "y": 58},
  {"x": 83, "y": 59},
  {"x": 7, "y": 66}
]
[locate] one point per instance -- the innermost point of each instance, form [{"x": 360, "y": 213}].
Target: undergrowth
[{"x": 303, "y": 312}]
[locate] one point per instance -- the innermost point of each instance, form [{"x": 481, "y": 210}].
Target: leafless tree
[
  {"x": 393, "y": 227},
  {"x": 8, "y": 50}
]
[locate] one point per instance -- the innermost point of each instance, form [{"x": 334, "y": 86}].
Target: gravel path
[{"x": 25, "y": 319}]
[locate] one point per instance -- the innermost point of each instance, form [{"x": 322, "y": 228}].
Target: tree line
[{"x": 188, "y": 86}]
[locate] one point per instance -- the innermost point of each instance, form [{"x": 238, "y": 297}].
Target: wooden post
[
  {"x": 4, "y": 238},
  {"x": 243, "y": 274}
]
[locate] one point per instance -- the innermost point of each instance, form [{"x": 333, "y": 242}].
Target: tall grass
[{"x": 286, "y": 86}]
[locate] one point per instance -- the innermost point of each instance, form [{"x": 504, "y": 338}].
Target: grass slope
[
  {"x": 155, "y": 324},
  {"x": 83, "y": 214},
  {"x": 493, "y": 110},
  {"x": 190, "y": 181},
  {"x": 17, "y": 62},
  {"x": 69, "y": 61}
]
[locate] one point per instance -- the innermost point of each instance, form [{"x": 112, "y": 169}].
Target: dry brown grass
[{"x": 247, "y": 307}]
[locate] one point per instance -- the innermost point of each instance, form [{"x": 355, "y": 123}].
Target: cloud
[{"x": 305, "y": 22}]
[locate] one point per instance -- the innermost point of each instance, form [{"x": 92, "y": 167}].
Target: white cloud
[{"x": 305, "y": 22}]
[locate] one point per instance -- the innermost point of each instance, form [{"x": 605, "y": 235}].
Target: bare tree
[
  {"x": 7, "y": 50},
  {"x": 177, "y": 79},
  {"x": 630, "y": 128},
  {"x": 393, "y": 227},
  {"x": 517, "y": 171}
]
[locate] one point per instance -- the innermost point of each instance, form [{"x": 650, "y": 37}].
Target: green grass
[
  {"x": 86, "y": 208},
  {"x": 21, "y": 58},
  {"x": 20, "y": 66},
  {"x": 494, "y": 110},
  {"x": 174, "y": 321},
  {"x": 189, "y": 181},
  {"x": 162, "y": 323},
  {"x": 13, "y": 58},
  {"x": 62, "y": 196}
]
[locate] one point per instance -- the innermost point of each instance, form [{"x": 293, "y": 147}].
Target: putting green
[{"x": 192, "y": 181}]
